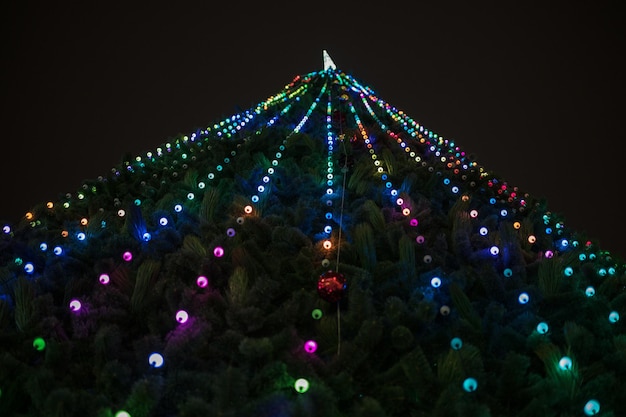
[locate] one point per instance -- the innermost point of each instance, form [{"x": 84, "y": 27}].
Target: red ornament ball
[{"x": 331, "y": 286}]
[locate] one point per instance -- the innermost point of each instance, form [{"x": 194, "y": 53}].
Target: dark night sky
[{"x": 535, "y": 91}]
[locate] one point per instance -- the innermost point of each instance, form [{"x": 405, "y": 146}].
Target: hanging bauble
[{"x": 331, "y": 286}]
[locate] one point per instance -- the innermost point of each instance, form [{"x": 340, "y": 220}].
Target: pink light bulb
[
  {"x": 202, "y": 281},
  {"x": 182, "y": 316},
  {"x": 75, "y": 305},
  {"x": 310, "y": 346}
]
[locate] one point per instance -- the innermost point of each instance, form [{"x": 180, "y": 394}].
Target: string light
[
  {"x": 156, "y": 360},
  {"x": 75, "y": 305},
  {"x": 104, "y": 279},
  {"x": 301, "y": 385}
]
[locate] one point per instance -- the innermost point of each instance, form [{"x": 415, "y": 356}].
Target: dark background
[{"x": 535, "y": 90}]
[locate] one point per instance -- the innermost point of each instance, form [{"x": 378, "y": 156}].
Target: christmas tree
[{"x": 319, "y": 254}]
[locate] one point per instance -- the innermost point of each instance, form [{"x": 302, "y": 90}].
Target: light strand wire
[{"x": 344, "y": 170}]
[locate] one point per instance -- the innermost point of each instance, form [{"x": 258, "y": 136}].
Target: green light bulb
[
  {"x": 39, "y": 344},
  {"x": 301, "y": 385}
]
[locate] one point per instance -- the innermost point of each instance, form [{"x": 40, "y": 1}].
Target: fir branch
[
  {"x": 135, "y": 223},
  {"x": 461, "y": 232},
  {"x": 193, "y": 245},
  {"x": 5, "y": 313},
  {"x": 239, "y": 256},
  {"x": 406, "y": 250},
  {"x": 146, "y": 275},
  {"x": 389, "y": 160},
  {"x": 106, "y": 341},
  {"x": 401, "y": 337},
  {"x": 24, "y": 307},
  {"x": 359, "y": 178},
  {"x": 373, "y": 214},
  {"x": 547, "y": 352},
  {"x": 370, "y": 334},
  {"x": 190, "y": 180},
  {"x": 145, "y": 396},
  {"x": 121, "y": 279},
  {"x": 98, "y": 221},
  {"x": 352, "y": 357},
  {"x": 230, "y": 389},
  {"x": 457, "y": 364},
  {"x": 289, "y": 239},
  {"x": 408, "y": 185},
  {"x": 6, "y": 280},
  {"x": 579, "y": 339},
  {"x": 565, "y": 381},
  {"x": 210, "y": 201},
  {"x": 365, "y": 245},
  {"x": 326, "y": 331},
  {"x": 260, "y": 160},
  {"x": 550, "y": 277},
  {"x": 464, "y": 306},
  {"x": 238, "y": 286},
  {"x": 417, "y": 367},
  {"x": 450, "y": 368}
]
